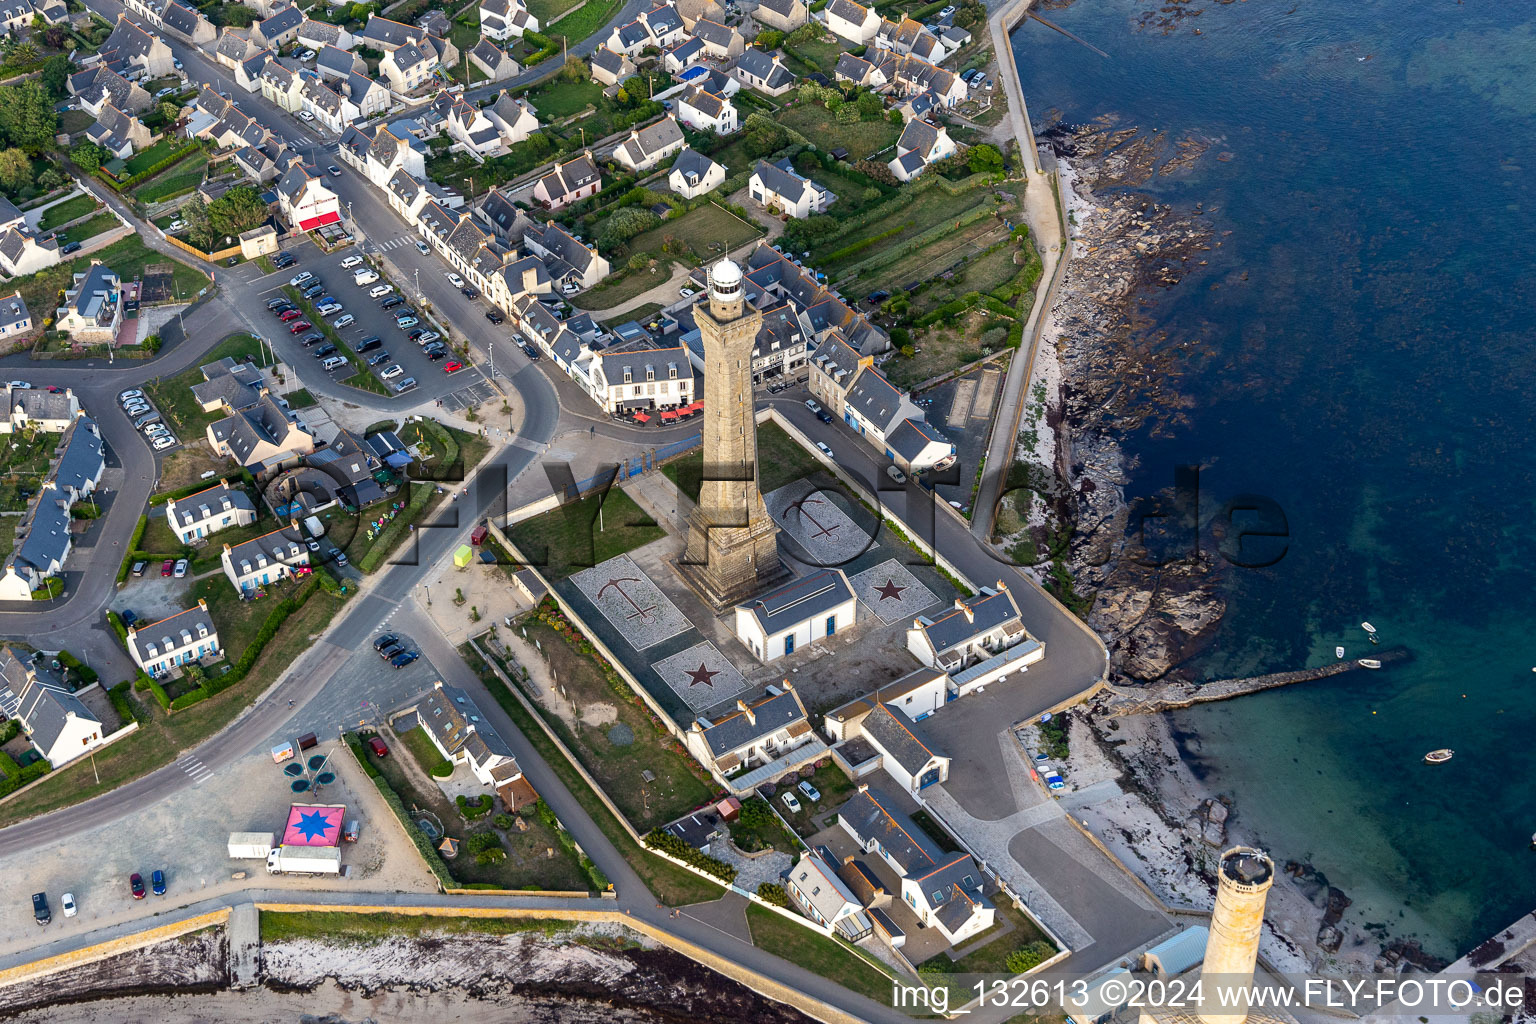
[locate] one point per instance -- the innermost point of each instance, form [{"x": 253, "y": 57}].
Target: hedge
[
  {"x": 546, "y": 814},
  {"x": 87, "y": 674},
  {"x": 849, "y": 250},
  {"x": 772, "y": 892},
  {"x": 116, "y": 622},
  {"x": 127, "y": 708},
  {"x": 52, "y": 587},
  {"x": 144, "y": 682},
  {"x": 666, "y": 842},
  {"x": 477, "y": 810},
  {"x": 10, "y": 730},
  {"x": 17, "y": 776},
  {"x": 384, "y": 543},
  {"x": 423, "y": 845}
]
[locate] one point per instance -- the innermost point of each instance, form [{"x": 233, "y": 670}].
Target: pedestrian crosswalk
[
  {"x": 195, "y": 769},
  {"x": 390, "y": 243}
]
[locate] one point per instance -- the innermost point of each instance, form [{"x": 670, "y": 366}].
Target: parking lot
[
  {"x": 141, "y": 411},
  {"x": 370, "y": 319}
]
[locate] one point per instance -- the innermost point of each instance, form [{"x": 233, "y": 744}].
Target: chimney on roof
[
  {"x": 970, "y": 614},
  {"x": 741, "y": 706}
]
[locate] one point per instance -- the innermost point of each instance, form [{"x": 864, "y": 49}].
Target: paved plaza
[
  {"x": 701, "y": 676},
  {"x": 816, "y": 525},
  {"x": 631, "y": 602},
  {"x": 891, "y": 592}
]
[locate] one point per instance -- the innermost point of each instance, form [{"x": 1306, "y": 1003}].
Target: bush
[
  {"x": 1032, "y": 955},
  {"x": 128, "y": 709},
  {"x": 10, "y": 730},
  {"x": 471, "y": 811},
  {"x": 666, "y": 842},
  {"x": 772, "y": 892},
  {"x": 503, "y": 821},
  {"x": 424, "y": 846}
]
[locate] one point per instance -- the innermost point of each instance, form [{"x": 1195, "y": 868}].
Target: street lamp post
[{"x": 418, "y": 285}]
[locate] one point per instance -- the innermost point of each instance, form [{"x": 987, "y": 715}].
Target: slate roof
[
  {"x": 454, "y": 719},
  {"x": 572, "y": 175},
  {"x": 848, "y": 11},
  {"x": 236, "y": 48},
  {"x": 128, "y": 43},
  {"x": 873, "y": 814},
  {"x": 408, "y": 56},
  {"x": 276, "y": 547},
  {"x": 763, "y": 717},
  {"x": 690, "y": 162},
  {"x": 820, "y": 887},
  {"x": 489, "y": 54},
  {"x": 765, "y": 68},
  {"x": 338, "y": 61},
  {"x": 988, "y": 612},
  {"x": 876, "y": 399},
  {"x": 167, "y": 634},
  {"x": 781, "y": 181},
  {"x": 243, "y": 431},
  {"x": 381, "y": 33},
  {"x": 608, "y": 60},
  {"x": 838, "y": 361},
  {"x": 47, "y": 536},
  {"x": 715, "y": 34},
  {"x": 45, "y": 707},
  {"x": 206, "y": 504},
  {"x": 707, "y": 103},
  {"x": 82, "y": 460},
  {"x": 855, "y": 69},
  {"x": 180, "y": 17},
  {"x": 911, "y": 436},
  {"x": 919, "y": 136},
  {"x": 787, "y": 606},
  {"x": 653, "y": 139},
  {"x": 783, "y": 8},
  {"x": 563, "y": 245},
  {"x": 899, "y": 738},
  {"x": 286, "y": 20},
  {"x": 686, "y": 50}
]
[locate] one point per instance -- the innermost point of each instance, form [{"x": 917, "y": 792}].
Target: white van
[
  {"x": 333, "y": 362},
  {"x": 363, "y": 277},
  {"x": 383, "y": 289}
]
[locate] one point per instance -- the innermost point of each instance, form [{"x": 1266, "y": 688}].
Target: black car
[
  {"x": 325, "y": 350},
  {"x": 382, "y": 357},
  {"x": 405, "y": 658},
  {"x": 393, "y": 649},
  {"x": 392, "y": 302},
  {"x": 494, "y": 316},
  {"x": 434, "y": 354},
  {"x": 369, "y": 343},
  {"x": 316, "y": 289},
  {"x": 274, "y": 303},
  {"x": 824, "y": 416},
  {"x": 282, "y": 307},
  {"x": 469, "y": 293},
  {"x": 384, "y": 641},
  {"x": 416, "y": 332},
  {"x": 533, "y": 353},
  {"x": 310, "y": 339},
  {"x": 232, "y": 261},
  {"x": 71, "y": 247},
  {"x": 875, "y": 298},
  {"x": 40, "y": 912}
]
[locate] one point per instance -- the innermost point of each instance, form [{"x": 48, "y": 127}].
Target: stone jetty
[{"x": 1170, "y": 696}]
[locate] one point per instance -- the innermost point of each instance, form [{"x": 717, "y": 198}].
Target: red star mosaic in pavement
[
  {"x": 891, "y": 591},
  {"x": 701, "y": 675}
]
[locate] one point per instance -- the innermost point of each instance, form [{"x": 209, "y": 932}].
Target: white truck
[
  {"x": 250, "y": 845},
  {"x": 313, "y": 525},
  {"x": 304, "y": 860}
]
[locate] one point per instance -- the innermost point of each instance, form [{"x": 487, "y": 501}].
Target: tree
[
  {"x": 623, "y": 225},
  {"x": 88, "y": 156},
  {"x": 807, "y": 33},
  {"x": 763, "y": 136},
  {"x": 769, "y": 39},
  {"x": 50, "y": 179},
  {"x": 169, "y": 112},
  {"x": 15, "y": 170},
  {"x": 199, "y": 223},
  {"x": 870, "y": 106},
  {"x": 239, "y": 209},
  {"x": 802, "y": 234},
  {"x": 984, "y": 157},
  {"x": 27, "y": 117},
  {"x": 56, "y": 71},
  {"x": 24, "y": 53},
  {"x": 895, "y": 117},
  {"x": 574, "y": 70},
  {"x": 239, "y": 16}
]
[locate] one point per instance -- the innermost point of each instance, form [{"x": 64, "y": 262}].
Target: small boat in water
[
  {"x": 1338, "y": 652},
  {"x": 1375, "y": 639},
  {"x": 1438, "y": 756},
  {"x": 1369, "y": 663},
  {"x": 1367, "y": 627}
]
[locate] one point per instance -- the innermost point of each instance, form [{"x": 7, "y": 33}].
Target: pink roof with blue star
[{"x": 314, "y": 825}]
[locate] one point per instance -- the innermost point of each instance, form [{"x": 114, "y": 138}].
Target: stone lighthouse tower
[
  {"x": 732, "y": 550},
  {"x": 1232, "y": 950}
]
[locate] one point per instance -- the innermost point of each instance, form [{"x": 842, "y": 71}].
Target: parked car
[
  {"x": 368, "y": 344},
  {"x": 327, "y": 308},
  {"x": 40, "y": 912},
  {"x": 315, "y": 290},
  {"x": 306, "y": 115},
  {"x": 19, "y": 385},
  {"x": 136, "y": 885},
  {"x": 157, "y": 882},
  {"x": 68, "y": 903},
  {"x": 402, "y": 660},
  {"x": 146, "y": 418},
  {"x": 434, "y": 353},
  {"x": 427, "y": 338},
  {"x": 167, "y": 566},
  {"x": 404, "y": 385},
  {"x": 824, "y": 416},
  {"x": 351, "y": 261},
  {"x": 825, "y": 450},
  {"x": 136, "y": 408},
  {"x": 299, "y": 325},
  {"x": 312, "y": 338},
  {"x": 811, "y": 792},
  {"x": 391, "y": 371},
  {"x": 138, "y": 568},
  {"x": 422, "y": 248},
  {"x": 811, "y": 405},
  {"x": 128, "y": 617},
  {"x": 392, "y": 302},
  {"x": 181, "y": 568},
  {"x": 378, "y": 290},
  {"x": 300, "y": 278},
  {"x": 470, "y": 293},
  {"x": 345, "y": 320},
  {"x": 377, "y": 746},
  {"x": 176, "y": 225},
  {"x": 70, "y": 248},
  {"x": 382, "y": 357},
  {"x": 896, "y": 474},
  {"x": 452, "y": 367},
  {"x": 284, "y": 259},
  {"x": 333, "y": 171},
  {"x": 407, "y": 321},
  {"x": 325, "y": 350},
  {"x": 531, "y": 352},
  {"x": 792, "y": 803},
  {"x": 333, "y": 363},
  {"x": 458, "y": 282},
  {"x": 384, "y": 640},
  {"x": 163, "y": 442},
  {"x": 494, "y": 316},
  {"x": 393, "y": 649},
  {"x": 289, "y": 315},
  {"x": 286, "y": 307},
  {"x": 274, "y": 303}
]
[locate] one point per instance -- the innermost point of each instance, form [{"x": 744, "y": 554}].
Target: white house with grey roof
[
  {"x": 646, "y": 147},
  {"x": 205, "y": 513},
  {"x": 336, "y": 62},
  {"x": 694, "y": 174},
  {"x": 93, "y": 306},
  {"x": 705, "y": 111},
  {"x": 495, "y": 62},
  {"x": 916, "y": 446},
  {"x": 56, "y": 722},
  {"x": 771, "y": 732},
  {"x": 720, "y": 41},
  {"x": 566, "y": 183},
  {"x": 264, "y": 433},
  {"x": 944, "y": 890},
  {"x": 980, "y": 640},
  {"x": 505, "y": 19},
  {"x": 316, "y": 34},
  {"x": 757, "y": 70},
  {"x": 279, "y": 28},
  {"x": 569, "y": 261},
  {"x": 852, "y": 21},
  {"x": 15, "y": 318},
  {"x": 611, "y": 67},
  {"x": 660, "y": 27},
  {"x": 460, "y": 731},
  {"x": 136, "y": 51},
  {"x": 261, "y": 561},
  {"x": 118, "y": 133},
  {"x": 778, "y": 187},
  {"x": 796, "y": 615},
  {"x": 784, "y": 15},
  {"x": 51, "y": 412},
  {"x": 408, "y": 68},
  {"x": 815, "y": 889},
  {"x": 641, "y": 378},
  {"x": 921, "y": 143},
  {"x": 16, "y": 15},
  {"x": 176, "y": 19},
  {"x": 43, "y": 537},
  {"x": 304, "y": 199},
  {"x": 181, "y": 639}
]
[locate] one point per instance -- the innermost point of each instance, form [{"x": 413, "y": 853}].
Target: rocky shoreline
[{"x": 1103, "y": 371}]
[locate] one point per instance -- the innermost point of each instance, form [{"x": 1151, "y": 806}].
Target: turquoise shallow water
[{"x": 1373, "y": 375}]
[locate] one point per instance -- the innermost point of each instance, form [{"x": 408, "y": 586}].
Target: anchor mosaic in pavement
[
  {"x": 701, "y": 676},
  {"x": 820, "y": 532},
  {"x": 891, "y": 592},
  {"x": 631, "y": 603}
]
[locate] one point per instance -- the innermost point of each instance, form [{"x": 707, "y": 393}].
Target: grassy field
[
  {"x": 127, "y": 256},
  {"x": 147, "y": 158},
  {"x": 819, "y": 953},
  {"x": 22, "y": 468},
  {"x": 567, "y": 539},
  {"x": 300, "y": 399},
  {"x": 428, "y": 757},
  {"x": 932, "y": 208},
  {"x": 72, "y": 121},
  {"x": 625, "y": 285},
  {"x": 367, "y": 929},
  {"x": 562, "y": 99},
  {"x": 550, "y": 11},
  {"x": 97, "y": 225},
  {"x": 943, "y": 348},
  {"x": 173, "y": 396},
  {"x": 161, "y": 737},
  {"x": 617, "y": 766},
  {"x": 669, "y": 883},
  {"x": 780, "y": 461},
  {"x": 710, "y": 231},
  {"x": 67, "y": 211},
  {"x": 835, "y": 789},
  {"x": 578, "y": 25},
  {"x": 821, "y": 126}
]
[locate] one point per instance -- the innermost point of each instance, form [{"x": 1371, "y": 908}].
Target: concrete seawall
[{"x": 1158, "y": 697}]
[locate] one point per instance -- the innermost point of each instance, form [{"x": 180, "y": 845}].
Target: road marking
[{"x": 195, "y": 768}]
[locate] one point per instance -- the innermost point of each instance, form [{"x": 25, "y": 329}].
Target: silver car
[{"x": 392, "y": 370}]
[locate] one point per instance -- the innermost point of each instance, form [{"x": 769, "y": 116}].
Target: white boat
[
  {"x": 1338, "y": 652},
  {"x": 1369, "y": 663},
  {"x": 1438, "y": 756},
  {"x": 1367, "y": 627}
]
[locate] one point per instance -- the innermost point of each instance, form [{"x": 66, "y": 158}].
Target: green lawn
[
  {"x": 835, "y": 789},
  {"x": 569, "y": 539},
  {"x": 821, "y": 127},
  {"x": 173, "y": 396},
  {"x": 625, "y": 285},
  {"x": 758, "y": 829},
  {"x": 669, "y": 883},
  {"x": 582, "y": 23},
  {"x": 67, "y": 211},
  {"x": 371, "y": 554},
  {"x": 617, "y": 765},
  {"x": 72, "y": 121},
  {"x": 335, "y": 926},
  {"x": 819, "y": 953},
  {"x": 780, "y": 461},
  {"x": 822, "y": 54},
  {"x": 428, "y": 757},
  {"x": 992, "y": 957},
  {"x": 127, "y": 256},
  {"x": 300, "y": 399},
  {"x": 709, "y": 230},
  {"x": 22, "y": 467},
  {"x": 562, "y": 99},
  {"x": 550, "y": 11},
  {"x": 147, "y": 158},
  {"x": 97, "y": 225}
]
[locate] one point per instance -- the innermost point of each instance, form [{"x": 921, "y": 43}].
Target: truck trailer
[
  {"x": 250, "y": 845},
  {"x": 304, "y": 860}
]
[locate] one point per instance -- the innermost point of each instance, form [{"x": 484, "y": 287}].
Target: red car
[
  {"x": 168, "y": 567},
  {"x": 136, "y": 883},
  {"x": 377, "y": 746},
  {"x": 291, "y": 314},
  {"x": 452, "y": 367},
  {"x": 299, "y": 325}
]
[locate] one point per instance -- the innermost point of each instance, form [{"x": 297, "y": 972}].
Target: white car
[
  {"x": 946, "y": 12},
  {"x": 307, "y": 55},
  {"x": 792, "y": 803},
  {"x": 825, "y": 450},
  {"x": 811, "y": 792},
  {"x": 300, "y": 278},
  {"x": 328, "y": 308},
  {"x": 155, "y": 429},
  {"x": 351, "y": 261},
  {"x": 163, "y": 442},
  {"x": 421, "y": 247},
  {"x": 345, "y": 320},
  {"x": 177, "y": 225},
  {"x": 69, "y": 905},
  {"x": 458, "y": 282},
  {"x": 428, "y": 338},
  {"x": 364, "y": 276},
  {"x": 896, "y": 474},
  {"x": 20, "y": 385},
  {"x": 383, "y": 289},
  {"x": 392, "y": 370},
  {"x": 306, "y": 115},
  {"x": 130, "y": 393},
  {"x": 811, "y": 405},
  {"x": 686, "y": 293}
]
